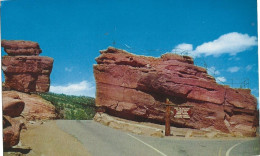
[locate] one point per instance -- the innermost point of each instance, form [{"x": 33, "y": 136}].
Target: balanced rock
[
  {"x": 19, "y": 47},
  {"x": 134, "y": 87},
  {"x": 26, "y": 73}
]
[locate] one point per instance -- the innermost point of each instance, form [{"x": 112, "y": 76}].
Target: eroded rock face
[
  {"x": 11, "y": 131},
  {"x": 34, "y": 107},
  {"x": 18, "y": 108},
  {"x": 12, "y": 107},
  {"x": 16, "y": 47},
  {"x": 12, "y": 104},
  {"x": 26, "y": 73},
  {"x": 134, "y": 87}
]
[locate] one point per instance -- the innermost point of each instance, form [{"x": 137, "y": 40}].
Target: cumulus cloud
[
  {"x": 221, "y": 79},
  {"x": 82, "y": 88},
  {"x": 230, "y": 43},
  {"x": 213, "y": 71},
  {"x": 233, "y": 69},
  {"x": 182, "y": 48}
]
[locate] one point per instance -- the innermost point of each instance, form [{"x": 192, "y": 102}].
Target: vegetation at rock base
[{"x": 71, "y": 107}]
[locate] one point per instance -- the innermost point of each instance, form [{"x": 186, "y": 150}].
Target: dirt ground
[{"x": 46, "y": 139}]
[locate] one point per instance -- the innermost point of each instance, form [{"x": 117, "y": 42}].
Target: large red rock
[
  {"x": 27, "y": 73},
  {"x": 20, "y": 47},
  {"x": 11, "y": 131},
  {"x": 12, "y": 107},
  {"x": 24, "y": 107},
  {"x": 24, "y": 70},
  {"x": 35, "y": 107},
  {"x": 134, "y": 87},
  {"x": 12, "y": 104}
]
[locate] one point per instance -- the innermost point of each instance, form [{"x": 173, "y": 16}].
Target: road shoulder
[{"x": 48, "y": 139}]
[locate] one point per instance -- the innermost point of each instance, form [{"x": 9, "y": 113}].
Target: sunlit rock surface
[
  {"x": 134, "y": 87},
  {"x": 23, "y": 70}
]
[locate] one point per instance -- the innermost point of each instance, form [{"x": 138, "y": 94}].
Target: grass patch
[{"x": 72, "y": 107}]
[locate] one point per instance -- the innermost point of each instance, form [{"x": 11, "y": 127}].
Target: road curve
[{"x": 101, "y": 140}]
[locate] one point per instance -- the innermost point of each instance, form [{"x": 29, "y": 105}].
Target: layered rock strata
[
  {"x": 20, "y": 47},
  {"x": 12, "y": 107},
  {"x": 135, "y": 87},
  {"x": 24, "y": 70}
]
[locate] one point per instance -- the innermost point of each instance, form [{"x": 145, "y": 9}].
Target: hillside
[{"x": 71, "y": 107}]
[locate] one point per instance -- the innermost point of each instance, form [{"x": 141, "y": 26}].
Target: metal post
[{"x": 167, "y": 119}]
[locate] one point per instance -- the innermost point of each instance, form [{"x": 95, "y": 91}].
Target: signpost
[
  {"x": 179, "y": 112},
  {"x": 167, "y": 118}
]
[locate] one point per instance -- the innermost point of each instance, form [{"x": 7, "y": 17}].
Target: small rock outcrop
[
  {"x": 134, "y": 87},
  {"x": 12, "y": 107},
  {"x": 12, "y": 104},
  {"x": 24, "y": 70},
  {"x": 33, "y": 106},
  {"x": 11, "y": 131},
  {"x": 18, "y": 109}
]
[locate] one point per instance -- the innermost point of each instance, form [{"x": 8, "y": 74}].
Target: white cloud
[
  {"x": 221, "y": 79},
  {"x": 249, "y": 67},
  {"x": 82, "y": 88},
  {"x": 233, "y": 69},
  {"x": 182, "y": 48},
  {"x": 231, "y": 43},
  {"x": 213, "y": 71},
  {"x": 68, "y": 69}
]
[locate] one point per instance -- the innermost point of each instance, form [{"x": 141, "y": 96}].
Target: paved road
[{"x": 104, "y": 141}]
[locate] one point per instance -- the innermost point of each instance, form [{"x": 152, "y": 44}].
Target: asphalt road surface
[{"x": 101, "y": 140}]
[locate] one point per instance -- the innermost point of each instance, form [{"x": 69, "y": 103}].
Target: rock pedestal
[
  {"x": 24, "y": 70},
  {"x": 134, "y": 87}
]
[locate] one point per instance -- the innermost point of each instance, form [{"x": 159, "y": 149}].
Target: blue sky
[{"x": 221, "y": 35}]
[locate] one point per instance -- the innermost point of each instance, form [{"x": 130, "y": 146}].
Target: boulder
[
  {"x": 11, "y": 131},
  {"x": 35, "y": 107},
  {"x": 23, "y": 107},
  {"x": 25, "y": 73},
  {"x": 12, "y": 104},
  {"x": 20, "y": 47},
  {"x": 12, "y": 107},
  {"x": 135, "y": 87}
]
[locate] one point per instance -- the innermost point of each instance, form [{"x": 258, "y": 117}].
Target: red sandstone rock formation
[
  {"x": 134, "y": 87},
  {"x": 12, "y": 107},
  {"x": 12, "y": 104},
  {"x": 30, "y": 107},
  {"x": 36, "y": 108},
  {"x": 11, "y": 131},
  {"x": 14, "y": 47},
  {"x": 26, "y": 73}
]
